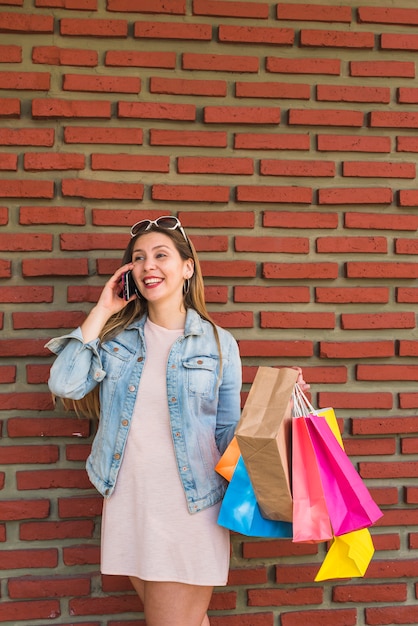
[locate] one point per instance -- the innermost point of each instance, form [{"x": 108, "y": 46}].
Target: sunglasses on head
[{"x": 166, "y": 222}]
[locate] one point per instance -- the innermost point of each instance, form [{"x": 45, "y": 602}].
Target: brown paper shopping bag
[{"x": 264, "y": 438}]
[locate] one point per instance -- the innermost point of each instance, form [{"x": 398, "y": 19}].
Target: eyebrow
[{"x": 154, "y": 248}]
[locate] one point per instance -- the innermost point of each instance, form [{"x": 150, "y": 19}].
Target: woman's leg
[{"x": 173, "y": 604}]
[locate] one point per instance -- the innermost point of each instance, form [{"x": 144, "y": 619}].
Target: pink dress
[{"x": 147, "y": 530}]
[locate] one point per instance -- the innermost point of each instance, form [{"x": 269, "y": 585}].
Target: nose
[{"x": 149, "y": 263}]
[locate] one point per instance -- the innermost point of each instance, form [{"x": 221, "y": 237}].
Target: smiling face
[{"x": 159, "y": 271}]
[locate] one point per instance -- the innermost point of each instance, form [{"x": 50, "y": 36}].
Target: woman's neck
[{"x": 168, "y": 318}]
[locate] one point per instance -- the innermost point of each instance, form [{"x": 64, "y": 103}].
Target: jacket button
[
  {"x": 115, "y": 349},
  {"x": 125, "y": 422},
  {"x": 131, "y": 387},
  {"x": 200, "y": 362},
  {"x": 116, "y": 456},
  {"x": 140, "y": 358},
  {"x": 173, "y": 399}
]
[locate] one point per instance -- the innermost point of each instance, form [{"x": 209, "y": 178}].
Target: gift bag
[
  {"x": 350, "y": 505},
  {"x": 240, "y": 512},
  {"x": 228, "y": 461},
  {"x": 348, "y": 557},
  {"x": 264, "y": 438},
  {"x": 310, "y": 514}
]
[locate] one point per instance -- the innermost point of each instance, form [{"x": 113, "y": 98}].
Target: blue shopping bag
[{"x": 240, "y": 512}]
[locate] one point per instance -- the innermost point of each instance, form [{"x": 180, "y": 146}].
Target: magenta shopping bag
[{"x": 349, "y": 503}]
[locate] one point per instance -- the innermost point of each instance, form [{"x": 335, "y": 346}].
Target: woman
[{"x": 157, "y": 368}]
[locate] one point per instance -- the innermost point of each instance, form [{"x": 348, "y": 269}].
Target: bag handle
[{"x": 301, "y": 404}]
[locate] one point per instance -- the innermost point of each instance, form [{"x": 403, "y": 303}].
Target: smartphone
[{"x": 128, "y": 285}]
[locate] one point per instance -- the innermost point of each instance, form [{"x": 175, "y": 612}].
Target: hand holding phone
[{"x": 129, "y": 287}]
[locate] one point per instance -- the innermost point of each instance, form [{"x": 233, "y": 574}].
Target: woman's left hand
[{"x": 300, "y": 380}]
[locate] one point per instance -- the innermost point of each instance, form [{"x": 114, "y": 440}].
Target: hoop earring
[{"x": 186, "y": 286}]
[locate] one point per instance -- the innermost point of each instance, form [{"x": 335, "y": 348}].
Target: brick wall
[{"x": 284, "y": 136}]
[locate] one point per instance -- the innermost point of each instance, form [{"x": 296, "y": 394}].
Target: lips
[{"x": 152, "y": 282}]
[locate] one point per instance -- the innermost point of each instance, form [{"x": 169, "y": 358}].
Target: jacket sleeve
[
  {"x": 77, "y": 368},
  {"x": 229, "y": 404}
]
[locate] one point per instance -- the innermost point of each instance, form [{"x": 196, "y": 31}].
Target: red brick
[
  {"x": 313, "y": 12},
  {"x": 18, "y": 242},
  {"x": 290, "y": 245},
  {"x": 26, "y": 189},
  {"x": 104, "y": 605},
  {"x": 82, "y": 5},
  {"x": 259, "y": 90},
  {"x": 28, "y": 454},
  {"x": 287, "y": 597},
  {"x": 157, "y": 110},
  {"x": 325, "y": 117},
  {"x": 244, "y": 269},
  {"x": 380, "y": 221},
  {"x": 282, "y": 349},
  {"x": 347, "y": 245},
  {"x": 224, "y": 219},
  {"x": 28, "y": 293},
  {"x": 55, "y": 267},
  {"x": 391, "y": 615},
  {"x": 407, "y": 294},
  {"x": 336, "y": 39},
  {"x": 130, "y": 162},
  {"x": 385, "y": 426},
  {"x": 104, "y": 84},
  {"x": 383, "y": 69},
  {"x": 353, "y": 143},
  {"x": 232, "y": 319},
  {"x": 262, "y": 193},
  {"x": 386, "y": 269},
  {"x": 241, "y": 115},
  {"x": 39, "y": 81},
  {"x": 8, "y": 162},
  {"x": 53, "y": 55},
  {"x": 395, "y": 592},
  {"x": 309, "y": 65},
  {"x": 9, "y": 107},
  {"x": 22, "y": 559},
  {"x": 219, "y": 62},
  {"x": 48, "y": 427},
  {"x": 196, "y": 138},
  {"x": 394, "y": 119},
  {"x": 36, "y": 374},
  {"x": 266, "y": 141},
  {"x": 100, "y": 189},
  {"x": 408, "y": 400},
  {"x": 271, "y": 294},
  {"x": 173, "y": 30},
  {"x": 44, "y": 586},
  {"x": 379, "y": 169},
  {"x": 256, "y": 34},
  {"x": 283, "y": 319},
  {"x": 407, "y": 95},
  {"x": 351, "y": 195},
  {"x": 347, "y": 400},
  {"x": 345, "y": 295},
  {"x": 395, "y": 41},
  {"x": 387, "y": 15},
  {"x": 406, "y": 246},
  {"x": 133, "y": 58},
  {"x": 82, "y": 555},
  {"x": 93, "y": 241},
  {"x": 27, "y": 137},
  {"x": 7, "y": 374},
  {"x": 105, "y": 135},
  {"x": 276, "y": 167},
  {"x": 294, "y": 219},
  {"x": 356, "y": 349},
  {"x": 34, "y": 161},
  {"x": 347, "y": 93},
  {"x": 52, "y": 479},
  {"x": 80, "y": 506},
  {"x": 10, "y": 54},
  {"x": 13, "y": 510},
  {"x": 52, "y": 215},
  {"x": 300, "y": 271},
  {"x": 215, "y": 165},
  {"x": 184, "y": 86},
  {"x": 234, "y": 8},
  {"x": 56, "y": 107},
  {"x": 172, "y": 7},
  {"x": 26, "y": 23},
  {"x": 26, "y": 401},
  {"x": 15, "y": 612},
  {"x": 190, "y": 193},
  {"x": 374, "y": 321},
  {"x": 49, "y": 531},
  {"x": 91, "y": 27},
  {"x": 387, "y": 372},
  {"x": 47, "y": 319}
]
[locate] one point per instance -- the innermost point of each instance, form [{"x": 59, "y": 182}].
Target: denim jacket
[{"x": 203, "y": 410}]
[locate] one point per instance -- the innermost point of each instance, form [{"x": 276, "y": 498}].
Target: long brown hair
[{"x": 193, "y": 298}]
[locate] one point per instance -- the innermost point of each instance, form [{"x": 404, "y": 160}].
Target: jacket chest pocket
[
  {"x": 201, "y": 375},
  {"x": 115, "y": 356}
]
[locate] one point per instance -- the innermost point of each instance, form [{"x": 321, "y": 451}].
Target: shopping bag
[
  {"x": 310, "y": 514},
  {"x": 228, "y": 461},
  {"x": 240, "y": 512},
  {"x": 264, "y": 438},
  {"x": 348, "y": 556},
  {"x": 350, "y": 505}
]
